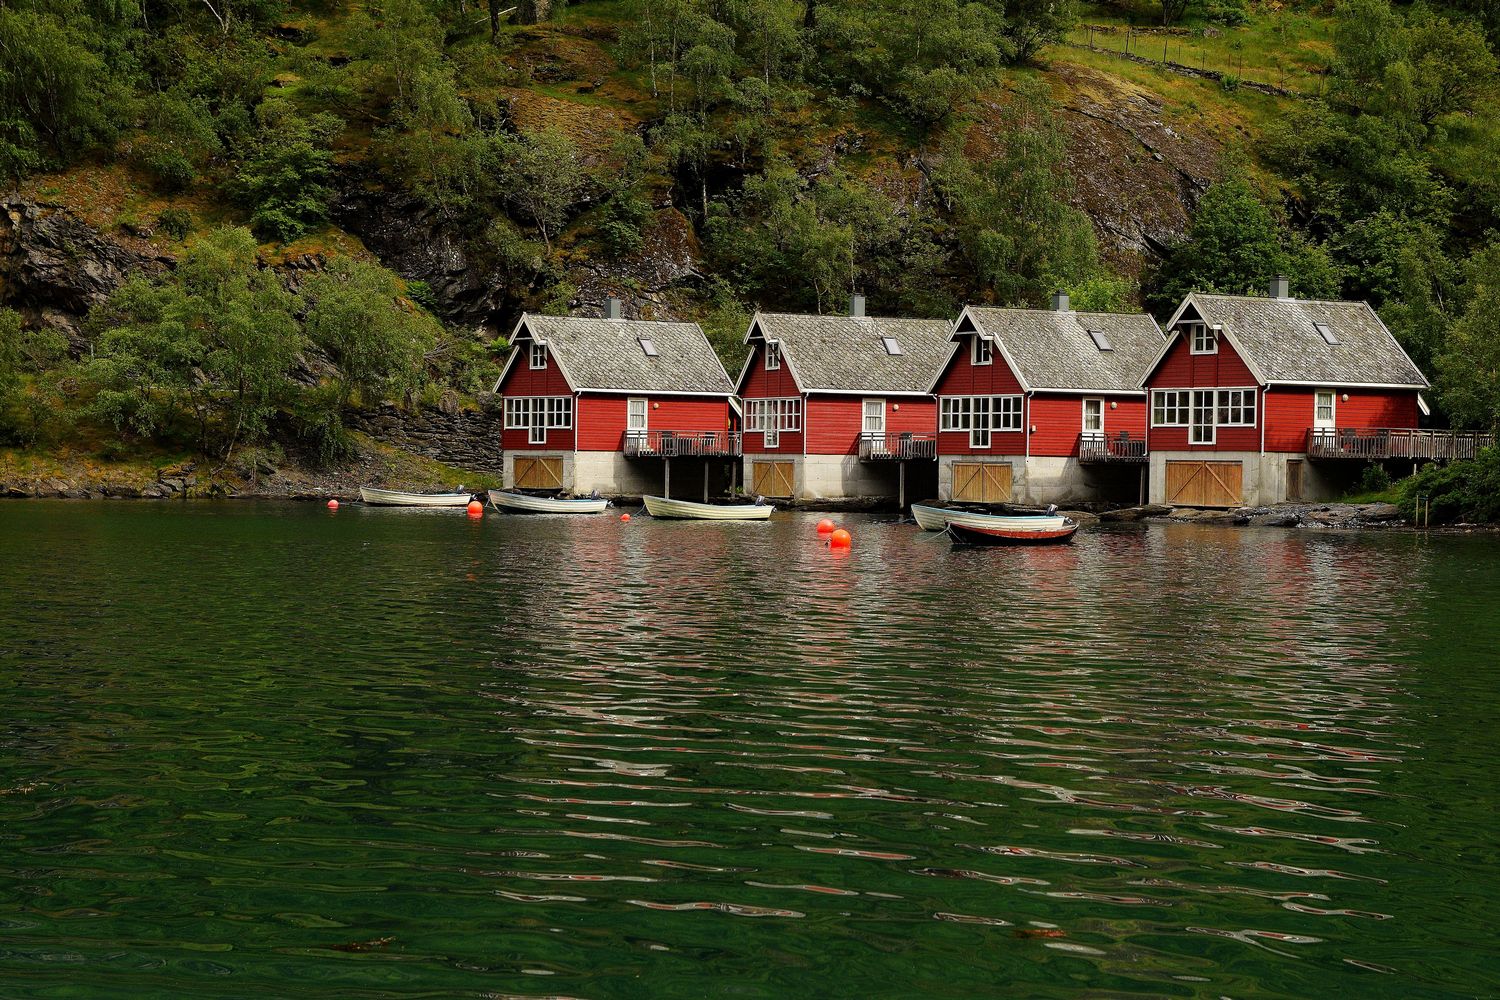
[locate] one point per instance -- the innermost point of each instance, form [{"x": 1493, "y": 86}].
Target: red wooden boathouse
[
  {"x": 1044, "y": 405},
  {"x": 838, "y": 406},
  {"x": 615, "y": 405},
  {"x": 1259, "y": 399}
]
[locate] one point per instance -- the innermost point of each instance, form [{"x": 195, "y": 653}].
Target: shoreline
[{"x": 1330, "y": 515}]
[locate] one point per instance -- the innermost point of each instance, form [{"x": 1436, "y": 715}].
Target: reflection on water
[{"x": 385, "y": 752}]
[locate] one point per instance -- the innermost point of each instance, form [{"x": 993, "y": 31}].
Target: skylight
[
  {"x": 892, "y": 346},
  {"x": 649, "y": 346},
  {"x": 1101, "y": 341},
  {"x": 1326, "y": 332}
]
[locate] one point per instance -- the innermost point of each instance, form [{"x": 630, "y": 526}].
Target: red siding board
[
  {"x": 778, "y": 384},
  {"x": 1289, "y": 412},
  {"x": 1182, "y": 369},
  {"x": 522, "y": 380},
  {"x": 603, "y": 417},
  {"x": 962, "y": 378}
]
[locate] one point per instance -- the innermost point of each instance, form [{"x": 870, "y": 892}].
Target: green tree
[
  {"x": 541, "y": 175},
  {"x": 377, "y": 338},
  {"x": 286, "y": 178},
  {"x": 1018, "y": 232},
  {"x": 1469, "y": 367}
]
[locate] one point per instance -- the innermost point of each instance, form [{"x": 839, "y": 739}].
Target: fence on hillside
[{"x": 1182, "y": 50}]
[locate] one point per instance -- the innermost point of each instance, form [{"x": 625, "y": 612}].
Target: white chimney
[
  {"x": 614, "y": 308},
  {"x": 1060, "y": 301},
  {"x": 856, "y": 305},
  {"x": 1281, "y": 287}
]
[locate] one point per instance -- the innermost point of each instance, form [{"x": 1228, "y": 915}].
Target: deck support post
[
  {"x": 901, "y": 489},
  {"x": 705, "y": 480},
  {"x": 666, "y": 486}
]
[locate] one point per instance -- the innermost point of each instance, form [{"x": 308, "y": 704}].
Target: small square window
[
  {"x": 773, "y": 356},
  {"x": 892, "y": 346},
  {"x": 538, "y": 356},
  {"x": 983, "y": 351},
  {"x": 649, "y": 347}
]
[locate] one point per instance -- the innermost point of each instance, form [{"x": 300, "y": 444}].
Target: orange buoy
[
  {"x": 624, "y": 517},
  {"x": 840, "y": 539},
  {"x": 476, "y": 509},
  {"x": 825, "y": 526},
  {"x": 333, "y": 505}
]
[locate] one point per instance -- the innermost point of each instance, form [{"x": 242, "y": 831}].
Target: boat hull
[
  {"x": 938, "y": 518},
  {"x": 519, "y": 503},
  {"x": 395, "y": 498},
  {"x": 965, "y": 535},
  {"x": 684, "y": 510}
]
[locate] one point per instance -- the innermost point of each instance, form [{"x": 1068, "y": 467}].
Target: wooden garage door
[
  {"x": 1205, "y": 484},
  {"x": 538, "y": 473},
  {"x": 773, "y": 479},
  {"x": 982, "y": 482}
]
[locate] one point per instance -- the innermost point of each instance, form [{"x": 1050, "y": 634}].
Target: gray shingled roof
[
  {"x": 1053, "y": 349},
  {"x": 846, "y": 353},
  {"x": 1284, "y": 346},
  {"x": 607, "y": 354}
]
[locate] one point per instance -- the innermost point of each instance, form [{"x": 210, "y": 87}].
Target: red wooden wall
[
  {"x": 1182, "y": 369},
  {"x": 521, "y": 380},
  {"x": 1289, "y": 412},
  {"x": 602, "y": 420},
  {"x": 761, "y": 384},
  {"x": 963, "y": 378},
  {"x": 834, "y": 422},
  {"x": 1058, "y": 419}
]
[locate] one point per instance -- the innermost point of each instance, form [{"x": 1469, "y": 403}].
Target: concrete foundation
[
  {"x": 1049, "y": 479},
  {"x": 1264, "y": 478},
  {"x": 610, "y": 473},
  {"x": 845, "y": 477}
]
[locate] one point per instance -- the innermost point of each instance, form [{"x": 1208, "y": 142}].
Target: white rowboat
[
  {"x": 688, "y": 511},
  {"x": 938, "y": 518},
  {"x": 395, "y": 498},
  {"x": 520, "y": 503}
]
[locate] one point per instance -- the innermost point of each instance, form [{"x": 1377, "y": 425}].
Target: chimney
[
  {"x": 1060, "y": 302},
  {"x": 1281, "y": 287},
  {"x": 857, "y": 305},
  {"x": 614, "y": 309}
]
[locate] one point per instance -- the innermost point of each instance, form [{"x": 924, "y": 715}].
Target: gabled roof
[
  {"x": 607, "y": 354},
  {"x": 848, "y": 353},
  {"x": 1053, "y": 350},
  {"x": 1279, "y": 340}
]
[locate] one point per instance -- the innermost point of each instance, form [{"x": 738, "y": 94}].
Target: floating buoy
[
  {"x": 840, "y": 539},
  {"x": 333, "y": 505},
  {"x": 825, "y": 526},
  {"x": 624, "y": 517},
  {"x": 476, "y": 509}
]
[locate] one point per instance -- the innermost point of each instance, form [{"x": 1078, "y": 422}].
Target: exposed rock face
[
  {"x": 465, "y": 438},
  {"x": 418, "y": 243},
  {"x": 54, "y": 266}
]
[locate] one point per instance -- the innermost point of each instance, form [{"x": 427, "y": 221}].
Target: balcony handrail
[
  {"x": 1376, "y": 443},
  {"x": 896, "y": 446},
  {"x": 1100, "y": 446},
  {"x": 666, "y": 443}
]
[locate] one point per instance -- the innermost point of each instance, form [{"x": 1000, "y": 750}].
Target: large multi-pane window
[
  {"x": 773, "y": 414},
  {"x": 979, "y": 415},
  {"x": 1201, "y": 430},
  {"x": 538, "y": 414},
  {"x": 1169, "y": 407},
  {"x": 1236, "y": 408}
]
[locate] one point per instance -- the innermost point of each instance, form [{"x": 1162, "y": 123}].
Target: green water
[{"x": 264, "y": 751}]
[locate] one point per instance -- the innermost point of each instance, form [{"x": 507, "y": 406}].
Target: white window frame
[
  {"x": 1333, "y": 409},
  {"x": 1100, "y": 405},
  {"x": 1005, "y": 413},
  {"x": 1176, "y": 404},
  {"x": 631, "y": 405},
  {"x": 537, "y": 350},
  {"x": 1203, "y": 400},
  {"x": 1230, "y": 400},
  {"x": 974, "y": 352},
  {"x": 773, "y": 356},
  {"x": 979, "y": 426},
  {"x": 1202, "y": 339},
  {"x": 980, "y": 416},
  {"x": 517, "y": 413},
  {"x": 875, "y": 408}
]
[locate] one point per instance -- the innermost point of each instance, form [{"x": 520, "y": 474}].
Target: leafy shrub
[
  {"x": 1230, "y": 82},
  {"x": 1230, "y": 13},
  {"x": 1375, "y": 479},
  {"x": 1460, "y": 491},
  {"x": 175, "y": 222}
]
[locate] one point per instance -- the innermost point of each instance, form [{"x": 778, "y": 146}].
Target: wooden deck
[
  {"x": 682, "y": 444},
  {"x": 901, "y": 447},
  {"x": 1376, "y": 443},
  {"x": 1099, "y": 449}
]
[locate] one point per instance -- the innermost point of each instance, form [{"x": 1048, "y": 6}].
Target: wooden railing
[
  {"x": 1121, "y": 447},
  {"x": 682, "y": 444},
  {"x": 907, "y": 445},
  {"x": 1367, "y": 443}
]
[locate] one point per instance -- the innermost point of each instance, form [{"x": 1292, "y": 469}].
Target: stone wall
[{"x": 468, "y": 439}]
